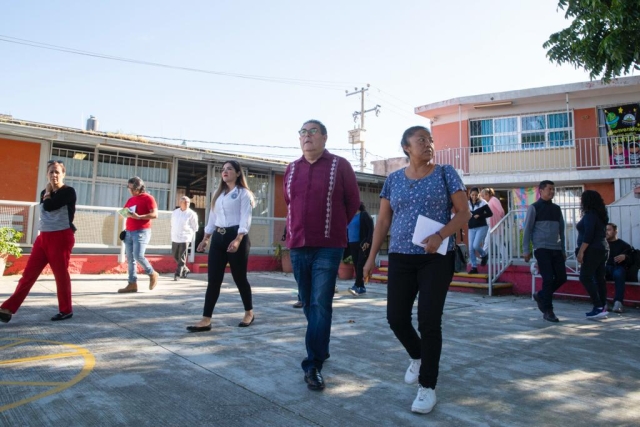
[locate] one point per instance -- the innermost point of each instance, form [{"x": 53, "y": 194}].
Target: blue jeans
[
  {"x": 618, "y": 274},
  {"x": 135, "y": 244},
  {"x": 476, "y": 241},
  {"x": 316, "y": 270}
]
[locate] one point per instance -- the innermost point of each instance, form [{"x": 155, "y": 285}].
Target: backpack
[{"x": 633, "y": 265}]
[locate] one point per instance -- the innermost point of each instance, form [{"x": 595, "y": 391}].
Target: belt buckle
[{"x": 222, "y": 230}]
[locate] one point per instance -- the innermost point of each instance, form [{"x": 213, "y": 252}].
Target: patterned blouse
[{"x": 426, "y": 196}]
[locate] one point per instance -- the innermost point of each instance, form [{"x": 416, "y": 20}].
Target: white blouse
[{"x": 233, "y": 208}]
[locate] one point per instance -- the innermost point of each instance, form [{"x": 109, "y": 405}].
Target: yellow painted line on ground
[
  {"x": 38, "y": 358},
  {"x": 89, "y": 364},
  {"x": 31, "y": 383}
]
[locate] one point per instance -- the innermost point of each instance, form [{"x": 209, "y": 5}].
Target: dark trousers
[
  {"x": 218, "y": 258},
  {"x": 552, "y": 268},
  {"x": 179, "y": 252},
  {"x": 592, "y": 275},
  {"x": 53, "y": 248},
  {"x": 618, "y": 274},
  {"x": 359, "y": 259},
  {"x": 427, "y": 276}
]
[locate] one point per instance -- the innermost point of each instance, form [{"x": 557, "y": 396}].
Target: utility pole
[{"x": 356, "y": 136}]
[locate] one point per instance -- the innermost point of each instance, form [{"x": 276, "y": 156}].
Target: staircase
[{"x": 462, "y": 282}]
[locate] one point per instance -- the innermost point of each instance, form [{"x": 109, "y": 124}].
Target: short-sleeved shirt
[
  {"x": 426, "y": 196},
  {"x": 144, "y": 203}
]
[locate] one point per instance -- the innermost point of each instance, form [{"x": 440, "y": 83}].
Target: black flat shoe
[
  {"x": 244, "y": 324},
  {"x": 62, "y": 316},
  {"x": 314, "y": 379},
  {"x": 5, "y": 317},
  {"x": 199, "y": 328}
]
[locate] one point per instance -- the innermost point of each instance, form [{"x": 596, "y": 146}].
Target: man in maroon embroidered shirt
[{"x": 322, "y": 196}]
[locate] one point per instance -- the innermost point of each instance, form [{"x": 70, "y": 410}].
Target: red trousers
[{"x": 53, "y": 248}]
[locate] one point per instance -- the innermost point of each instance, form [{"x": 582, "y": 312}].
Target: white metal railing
[
  {"x": 99, "y": 227},
  {"x": 505, "y": 238},
  {"x": 569, "y": 155}
]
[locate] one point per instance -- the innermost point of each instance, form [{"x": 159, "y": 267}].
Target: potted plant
[
  {"x": 346, "y": 270},
  {"x": 9, "y": 239},
  {"x": 283, "y": 255}
]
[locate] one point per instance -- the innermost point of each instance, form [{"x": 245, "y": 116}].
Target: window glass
[
  {"x": 481, "y": 127},
  {"x": 532, "y": 123},
  {"x": 259, "y": 185}
]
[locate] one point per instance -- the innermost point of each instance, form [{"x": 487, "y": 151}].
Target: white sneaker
[
  {"x": 425, "y": 400},
  {"x": 413, "y": 371},
  {"x": 617, "y": 307}
]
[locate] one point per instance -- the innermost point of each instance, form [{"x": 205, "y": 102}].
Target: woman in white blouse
[{"x": 228, "y": 229}]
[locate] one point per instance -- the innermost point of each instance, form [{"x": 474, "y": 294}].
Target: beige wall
[{"x": 523, "y": 161}]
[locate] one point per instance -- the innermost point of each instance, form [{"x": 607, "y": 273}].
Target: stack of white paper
[{"x": 426, "y": 227}]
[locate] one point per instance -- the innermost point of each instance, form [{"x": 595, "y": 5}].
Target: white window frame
[{"x": 520, "y": 132}]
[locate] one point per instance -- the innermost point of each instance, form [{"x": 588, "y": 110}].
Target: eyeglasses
[
  {"x": 305, "y": 132},
  {"x": 50, "y": 162}
]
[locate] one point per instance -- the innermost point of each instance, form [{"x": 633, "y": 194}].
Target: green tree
[{"x": 604, "y": 37}]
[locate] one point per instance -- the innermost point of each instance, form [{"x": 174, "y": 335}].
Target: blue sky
[{"x": 411, "y": 52}]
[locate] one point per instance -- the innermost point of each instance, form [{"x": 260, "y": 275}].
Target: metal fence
[
  {"x": 568, "y": 155},
  {"x": 99, "y": 227},
  {"x": 505, "y": 238}
]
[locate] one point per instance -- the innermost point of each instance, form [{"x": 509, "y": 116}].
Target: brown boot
[
  {"x": 131, "y": 287},
  {"x": 153, "y": 280}
]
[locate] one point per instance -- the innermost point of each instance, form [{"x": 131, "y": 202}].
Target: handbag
[
  {"x": 123, "y": 235},
  {"x": 461, "y": 260}
]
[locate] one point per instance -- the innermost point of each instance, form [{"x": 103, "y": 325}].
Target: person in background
[
  {"x": 478, "y": 228},
  {"x": 142, "y": 208},
  {"x": 489, "y": 196},
  {"x": 617, "y": 264},
  {"x": 422, "y": 188},
  {"x": 322, "y": 196},
  {"x": 52, "y": 246},
  {"x": 184, "y": 225},
  {"x": 544, "y": 227},
  {"x": 593, "y": 251},
  {"x": 228, "y": 229},
  {"x": 360, "y": 232}
]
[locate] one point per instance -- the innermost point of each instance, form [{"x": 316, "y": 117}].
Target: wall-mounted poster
[{"x": 623, "y": 134}]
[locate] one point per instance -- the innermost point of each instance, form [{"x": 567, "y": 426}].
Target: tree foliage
[{"x": 603, "y": 37}]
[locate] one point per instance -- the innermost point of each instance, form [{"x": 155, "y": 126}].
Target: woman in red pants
[{"x": 53, "y": 245}]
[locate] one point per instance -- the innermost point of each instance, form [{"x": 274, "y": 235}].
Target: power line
[
  {"x": 320, "y": 84},
  {"x": 394, "y": 97},
  {"x": 234, "y": 144}
]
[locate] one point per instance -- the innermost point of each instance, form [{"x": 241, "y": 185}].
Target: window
[
  {"x": 106, "y": 184},
  {"x": 259, "y": 185},
  {"x": 535, "y": 131}
]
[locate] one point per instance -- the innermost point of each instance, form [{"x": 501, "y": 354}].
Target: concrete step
[{"x": 482, "y": 276}]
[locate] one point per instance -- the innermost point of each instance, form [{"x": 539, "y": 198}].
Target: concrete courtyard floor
[{"x": 127, "y": 360}]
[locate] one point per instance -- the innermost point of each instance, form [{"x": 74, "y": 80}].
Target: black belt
[{"x": 223, "y": 230}]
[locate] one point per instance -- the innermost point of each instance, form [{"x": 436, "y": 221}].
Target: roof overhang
[{"x": 528, "y": 96}]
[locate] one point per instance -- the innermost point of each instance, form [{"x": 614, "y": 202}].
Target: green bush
[{"x": 9, "y": 239}]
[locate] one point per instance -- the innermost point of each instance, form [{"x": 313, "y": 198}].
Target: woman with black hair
[
  {"x": 592, "y": 251},
  {"x": 52, "y": 246},
  {"x": 432, "y": 190},
  {"x": 478, "y": 229},
  {"x": 228, "y": 230}
]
